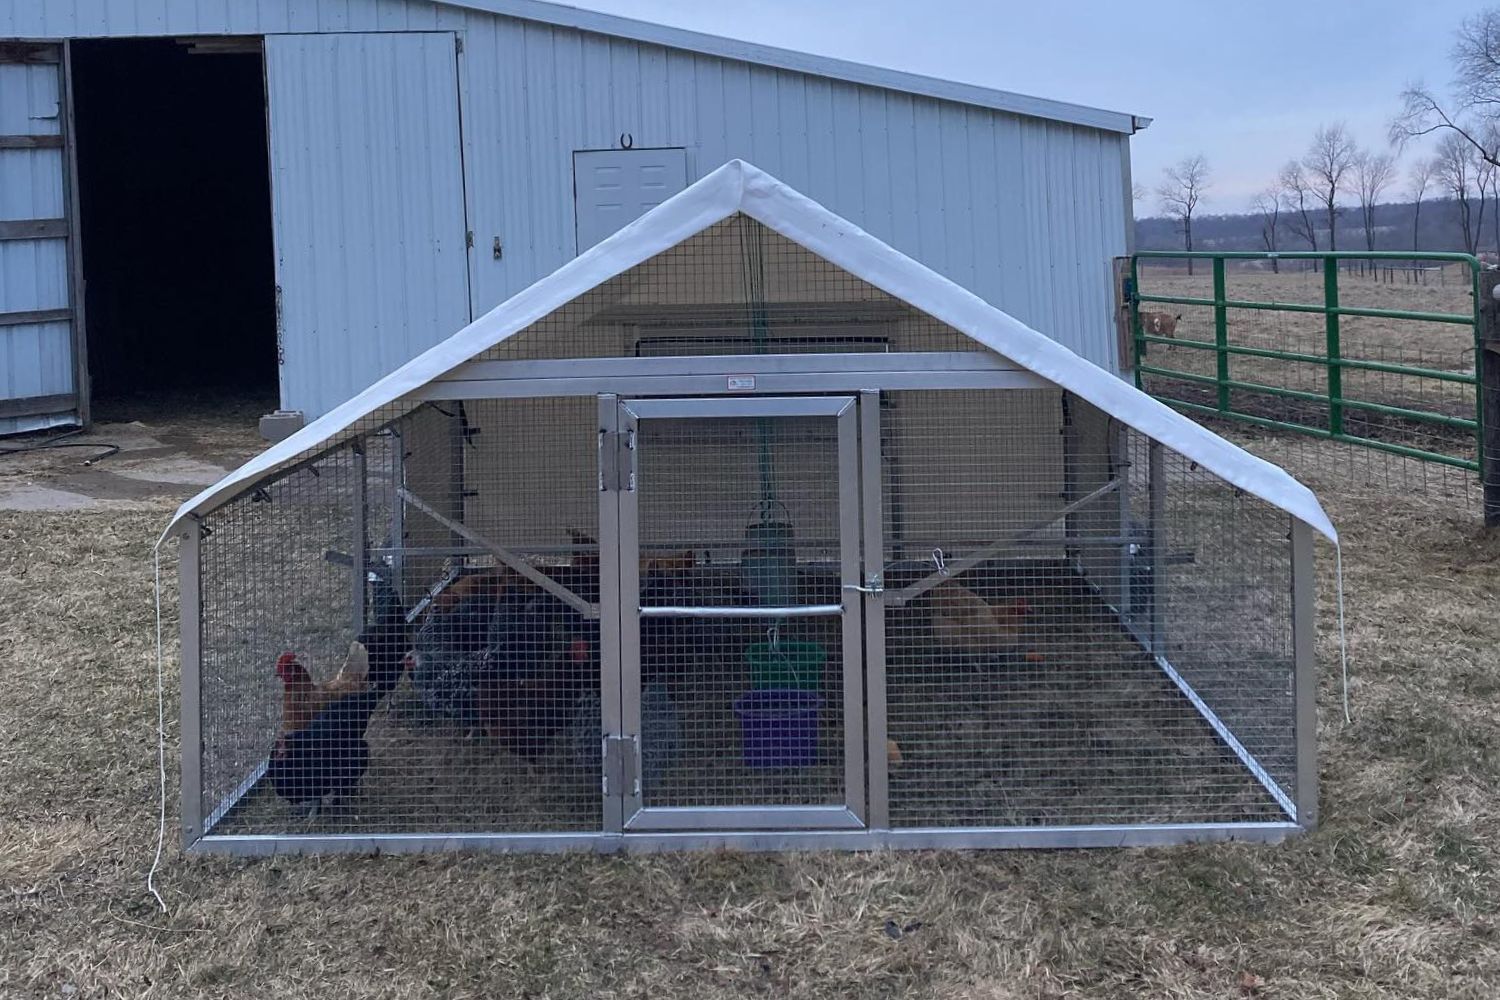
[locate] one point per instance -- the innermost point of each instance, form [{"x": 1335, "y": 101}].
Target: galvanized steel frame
[
  {"x": 863, "y": 823},
  {"x": 842, "y": 409}
]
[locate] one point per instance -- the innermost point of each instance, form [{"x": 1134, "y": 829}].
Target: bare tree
[
  {"x": 1299, "y": 203},
  {"x": 1484, "y": 177},
  {"x": 1180, "y": 191},
  {"x": 1328, "y": 162},
  {"x": 1476, "y": 93},
  {"x": 1373, "y": 173},
  {"x": 1267, "y": 205},
  {"x": 1419, "y": 178},
  {"x": 1454, "y": 172}
]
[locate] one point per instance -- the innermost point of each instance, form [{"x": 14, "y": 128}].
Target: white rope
[
  {"x": 1338, "y": 559},
  {"x": 161, "y": 738}
]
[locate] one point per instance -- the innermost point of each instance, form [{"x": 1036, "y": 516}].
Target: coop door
[{"x": 739, "y": 623}]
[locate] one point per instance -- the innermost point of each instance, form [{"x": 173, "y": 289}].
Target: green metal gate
[{"x": 1281, "y": 355}]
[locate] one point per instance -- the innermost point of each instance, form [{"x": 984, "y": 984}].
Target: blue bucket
[{"x": 779, "y": 727}]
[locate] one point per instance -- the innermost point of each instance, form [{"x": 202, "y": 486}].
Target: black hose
[{"x": 61, "y": 441}]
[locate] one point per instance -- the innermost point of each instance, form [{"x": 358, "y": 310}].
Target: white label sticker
[{"x": 741, "y": 383}]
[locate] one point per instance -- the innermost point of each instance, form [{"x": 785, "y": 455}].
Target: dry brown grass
[{"x": 1395, "y": 896}]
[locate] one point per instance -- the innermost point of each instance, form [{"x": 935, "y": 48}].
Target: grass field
[{"x": 1395, "y": 896}]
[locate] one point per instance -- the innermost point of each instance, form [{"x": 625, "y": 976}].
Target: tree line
[{"x": 1305, "y": 206}]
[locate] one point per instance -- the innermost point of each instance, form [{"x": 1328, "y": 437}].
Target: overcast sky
[{"x": 1243, "y": 83}]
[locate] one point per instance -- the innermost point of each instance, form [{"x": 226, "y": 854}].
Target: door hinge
[
  {"x": 617, "y": 461},
  {"x": 622, "y": 772}
]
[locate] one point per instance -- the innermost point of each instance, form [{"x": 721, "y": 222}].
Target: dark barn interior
[{"x": 174, "y": 185}]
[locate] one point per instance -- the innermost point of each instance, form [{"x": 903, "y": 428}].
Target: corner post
[
  {"x": 190, "y": 608},
  {"x": 1305, "y": 670},
  {"x": 1487, "y": 359},
  {"x": 1334, "y": 352},
  {"x": 361, "y": 547},
  {"x": 1221, "y": 334},
  {"x": 1156, "y": 464}
]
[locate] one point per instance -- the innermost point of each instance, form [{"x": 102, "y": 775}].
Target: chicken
[
  {"x": 963, "y": 620},
  {"x": 326, "y": 758},
  {"x": 540, "y": 661},
  {"x": 386, "y": 637},
  {"x": 302, "y": 698},
  {"x": 491, "y": 584}
]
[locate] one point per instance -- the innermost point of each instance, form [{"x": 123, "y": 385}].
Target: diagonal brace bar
[
  {"x": 896, "y": 598},
  {"x": 506, "y": 556}
]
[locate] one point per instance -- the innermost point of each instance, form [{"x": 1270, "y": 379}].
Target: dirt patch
[{"x": 115, "y": 464}]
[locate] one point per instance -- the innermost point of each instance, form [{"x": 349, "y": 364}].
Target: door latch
[{"x": 874, "y": 584}]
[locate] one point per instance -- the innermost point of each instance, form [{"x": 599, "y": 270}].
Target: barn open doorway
[{"x": 175, "y": 208}]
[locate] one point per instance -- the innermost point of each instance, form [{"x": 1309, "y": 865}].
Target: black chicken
[
  {"x": 326, "y": 759},
  {"x": 541, "y": 658}
]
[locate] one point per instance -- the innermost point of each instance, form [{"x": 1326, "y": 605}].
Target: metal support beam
[
  {"x": 906, "y": 595},
  {"x": 1158, "y": 543},
  {"x": 359, "y": 569},
  {"x": 506, "y": 556},
  {"x": 190, "y": 614},
  {"x": 1304, "y": 628}
]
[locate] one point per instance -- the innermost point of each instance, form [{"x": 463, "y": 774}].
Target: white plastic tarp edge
[{"x": 740, "y": 187}]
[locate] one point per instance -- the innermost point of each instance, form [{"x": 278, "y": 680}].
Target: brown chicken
[
  {"x": 961, "y": 619},
  {"x": 302, "y": 698},
  {"x": 490, "y": 583}
]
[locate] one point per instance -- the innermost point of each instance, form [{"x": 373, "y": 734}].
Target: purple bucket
[{"x": 780, "y": 727}]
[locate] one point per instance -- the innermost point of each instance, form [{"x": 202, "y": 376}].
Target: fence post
[
  {"x": 1331, "y": 327},
  {"x": 1487, "y": 360},
  {"x": 1125, "y": 312},
  {"x": 1221, "y": 335}
]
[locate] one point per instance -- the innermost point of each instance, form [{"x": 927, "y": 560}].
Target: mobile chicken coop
[{"x": 745, "y": 529}]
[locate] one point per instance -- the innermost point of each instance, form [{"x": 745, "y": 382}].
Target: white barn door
[
  {"x": 40, "y": 355},
  {"x": 368, "y": 196}
]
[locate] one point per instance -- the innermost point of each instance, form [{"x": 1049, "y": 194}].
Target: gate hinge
[
  {"x": 622, "y": 772},
  {"x": 617, "y": 461}
]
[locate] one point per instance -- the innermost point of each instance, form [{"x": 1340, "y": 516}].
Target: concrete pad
[{"x": 177, "y": 470}]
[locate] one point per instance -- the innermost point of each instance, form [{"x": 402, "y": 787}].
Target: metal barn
[
  {"x": 302, "y": 196},
  {"x": 745, "y": 529}
]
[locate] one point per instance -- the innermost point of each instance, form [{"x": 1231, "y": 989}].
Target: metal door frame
[{"x": 621, "y": 663}]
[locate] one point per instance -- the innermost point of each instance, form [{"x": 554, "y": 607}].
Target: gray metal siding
[
  {"x": 36, "y": 359},
  {"x": 1024, "y": 212},
  {"x": 57, "y": 19},
  {"x": 368, "y": 197}
]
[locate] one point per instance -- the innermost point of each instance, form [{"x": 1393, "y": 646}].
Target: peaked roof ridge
[{"x": 738, "y": 186}]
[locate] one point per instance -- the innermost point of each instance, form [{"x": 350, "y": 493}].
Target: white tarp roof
[{"x": 739, "y": 187}]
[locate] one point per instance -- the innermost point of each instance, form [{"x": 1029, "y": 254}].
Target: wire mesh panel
[
  {"x": 735, "y": 288},
  {"x": 470, "y": 704},
  {"x": 741, "y": 702},
  {"x": 1018, "y": 694}
]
